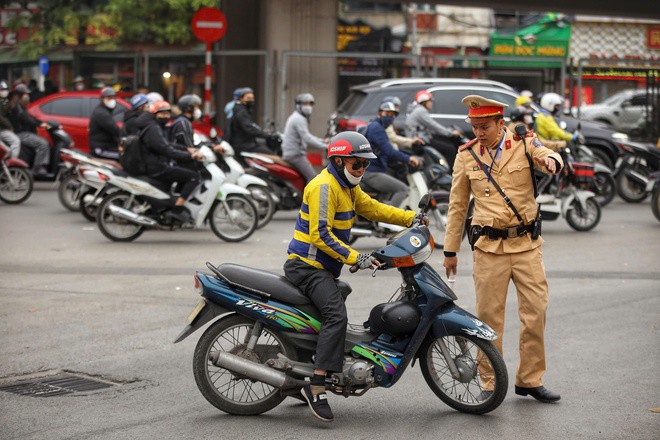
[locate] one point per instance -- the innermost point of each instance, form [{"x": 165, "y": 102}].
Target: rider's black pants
[
  {"x": 446, "y": 147},
  {"x": 320, "y": 287},
  {"x": 186, "y": 179}
]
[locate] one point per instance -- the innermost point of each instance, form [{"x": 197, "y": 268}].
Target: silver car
[{"x": 621, "y": 111}]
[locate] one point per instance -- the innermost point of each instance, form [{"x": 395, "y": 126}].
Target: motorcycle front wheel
[
  {"x": 16, "y": 185},
  {"x": 583, "y": 219},
  {"x": 69, "y": 192},
  {"x": 483, "y": 381},
  {"x": 228, "y": 391},
  {"x": 655, "y": 202},
  {"x": 233, "y": 219},
  {"x": 117, "y": 228},
  {"x": 629, "y": 190}
]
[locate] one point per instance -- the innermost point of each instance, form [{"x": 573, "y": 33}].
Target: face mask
[
  {"x": 80, "y": 87},
  {"x": 162, "y": 121},
  {"x": 351, "y": 178},
  {"x": 4, "y": 93},
  {"x": 197, "y": 114},
  {"x": 249, "y": 105},
  {"x": 527, "y": 119},
  {"x": 306, "y": 110},
  {"x": 387, "y": 120},
  {"x": 111, "y": 104}
]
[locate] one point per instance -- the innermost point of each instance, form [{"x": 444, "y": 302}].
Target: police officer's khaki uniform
[{"x": 498, "y": 261}]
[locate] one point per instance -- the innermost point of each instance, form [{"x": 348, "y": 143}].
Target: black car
[{"x": 362, "y": 105}]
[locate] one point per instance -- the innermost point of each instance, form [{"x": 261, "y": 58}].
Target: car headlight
[{"x": 620, "y": 136}]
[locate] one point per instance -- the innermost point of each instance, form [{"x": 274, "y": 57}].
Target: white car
[{"x": 621, "y": 111}]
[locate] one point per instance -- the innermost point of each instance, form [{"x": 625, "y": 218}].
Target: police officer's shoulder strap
[
  {"x": 467, "y": 145},
  {"x": 506, "y": 198},
  {"x": 522, "y": 133}
]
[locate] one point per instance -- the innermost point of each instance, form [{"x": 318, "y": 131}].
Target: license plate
[{"x": 195, "y": 312}]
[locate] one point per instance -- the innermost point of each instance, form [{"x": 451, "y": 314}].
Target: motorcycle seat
[{"x": 269, "y": 284}]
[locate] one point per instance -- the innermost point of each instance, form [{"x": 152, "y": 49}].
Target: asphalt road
[{"x": 70, "y": 300}]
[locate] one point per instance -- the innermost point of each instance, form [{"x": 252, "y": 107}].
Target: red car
[{"x": 73, "y": 110}]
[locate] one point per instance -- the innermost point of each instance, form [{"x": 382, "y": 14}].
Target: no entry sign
[{"x": 209, "y": 24}]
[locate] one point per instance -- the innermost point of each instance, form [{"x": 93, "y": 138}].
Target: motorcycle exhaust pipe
[
  {"x": 636, "y": 177},
  {"x": 254, "y": 371},
  {"x": 359, "y": 232},
  {"x": 131, "y": 216}
]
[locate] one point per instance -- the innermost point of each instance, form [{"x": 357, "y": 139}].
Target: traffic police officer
[{"x": 507, "y": 246}]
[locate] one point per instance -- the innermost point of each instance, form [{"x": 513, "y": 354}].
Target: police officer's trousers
[
  {"x": 492, "y": 273},
  {"x": 320, "y": 287}
]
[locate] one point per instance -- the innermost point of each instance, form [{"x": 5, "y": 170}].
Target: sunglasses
[{"x": 360, "y": 164}]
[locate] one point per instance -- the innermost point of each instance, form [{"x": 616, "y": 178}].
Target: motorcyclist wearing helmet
[
  {"x": 7, "y": 135},
  {"x": 546, "y": 124},
  {"x": 525, "y": 115},
  {"x": 419, "y": 123},
  {"x": 139, "y": 104},
  {"x": 158, "y": 153},
  {"x": 377, "y": 179},
  {"x": 397, "y": 140},
  {"x": 103, "y": 130},
  {"x": 244, "y": 132},
  {"x": 181, "y": 131},
  {"x": 297, "y": 137},
  {"x": 320, "y": 248}
]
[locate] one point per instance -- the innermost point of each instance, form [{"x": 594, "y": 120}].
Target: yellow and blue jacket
[{"x": 326, "y": 217}]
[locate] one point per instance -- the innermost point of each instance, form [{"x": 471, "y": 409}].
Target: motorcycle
[
  {"x": 16, "y": 181},
  {"x": 60, "y": 140},
  {"x": 286, "y": 183},
  {"x": 603, "y": 183},
  {"x": 632, "y": 171},
  {"x": 655, "y": 196},
  {"x": 140, "y": 204},
  {"x": 260, "y": 348}
]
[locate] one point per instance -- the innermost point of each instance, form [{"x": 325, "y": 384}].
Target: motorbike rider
[
  {"x": 525, "y": 115},
  {"x": 7, "y": 135},
  {"x": 78, "y": 83},
  {"x": 319, "y": 249},
  {"x": 297, "y": 137},
  {"x": 546, "y": 124},
  {"x": 419, "y": 123},
  {"x": 158, "y": 154},
  {"x": 139, "y": 104},
  {"x": 396, "y": 139},
  {"x": 181, "y": 131},
  {"x": 25, "y": 126},
  {"x": 244, "y": 132},
  {"x": 376, "y": 178},
  {"x": 103, "y": 130}
]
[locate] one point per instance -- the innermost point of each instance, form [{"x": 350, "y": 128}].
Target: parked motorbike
[
  {"x": 632, "y": 171},
  {"x": 286, "y": 183},
  {"x": 60, "y": 139},
  {"x": 260, "y": 348},
  {"x": 16, "y": 181},
  {"x": 144, "y": 203},
  {"x": 603, "y": 184}
]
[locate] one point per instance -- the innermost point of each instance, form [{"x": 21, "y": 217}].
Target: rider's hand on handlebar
[
  {"x": 450, "y": 265},
  {"x": 413, "y": 161},
  {"x": 197, "y": 155},
  {"x": 367, "y": 261},
  {"x": 418, "y": 140},
  {"x": 457, "y": 133},
  {"x": 421, "y": 218},
  {"x": 218, "y": 149},
  {"x": 44, "y": 125}
]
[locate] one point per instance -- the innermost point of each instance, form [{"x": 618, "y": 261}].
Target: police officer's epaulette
[{"x": 467, "y": 145}]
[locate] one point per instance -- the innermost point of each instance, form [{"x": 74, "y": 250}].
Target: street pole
[
  {"x": 414, "y": 39},
  {"x": 207, "y": 82}
]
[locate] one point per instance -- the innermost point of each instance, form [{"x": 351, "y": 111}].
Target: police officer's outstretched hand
[
  {"x": 547, "y": 162},
  {"x": 450, "y": 264}
]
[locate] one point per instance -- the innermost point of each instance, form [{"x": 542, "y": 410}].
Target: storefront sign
[
  {"x": 509, "y": 47},
  {"x": 653, "y": 40}
]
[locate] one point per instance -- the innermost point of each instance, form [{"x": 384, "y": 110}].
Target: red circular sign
[{"x": 209, "y": 24}]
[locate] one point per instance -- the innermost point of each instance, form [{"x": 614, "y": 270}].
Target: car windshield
[
  {"x": 352, "y": 102},
  {"x": 615, "y": 98}
]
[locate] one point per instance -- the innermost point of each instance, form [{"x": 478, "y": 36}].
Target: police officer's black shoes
[
  {"x": 539, "y": 393},
  {"x": 318, "y": 404}
]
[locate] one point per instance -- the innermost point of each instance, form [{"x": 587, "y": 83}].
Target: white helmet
[
  {"x": 155, "y": 97},
  {"x": 527, "y": 93},
  {"x": 550, "y": 100}
]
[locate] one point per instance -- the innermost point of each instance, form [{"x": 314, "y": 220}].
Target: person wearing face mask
[
  {"x": 396, "y": 139},
  {"x": 25, "y": 126},
  {"x": 7, "y": 135},
  {"x": 244, "y": 131},
  {"x": 377, "y": 179},
  {"x": 159, "y": 153},
  {"x": 181, "y": 131},
  {"x": 78, "y": 83},
  {"x": 297, "y": 137},
  {"x": 320, "y": 248},
  {"x": 103, "y": 130},
  {"x": 525, "y": 115},
  {"x": 546, "y": 124}
]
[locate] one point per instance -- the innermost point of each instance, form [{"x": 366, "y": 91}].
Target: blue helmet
[
  {"x": 138, "y": 100},
  {"x": 241, "y": 91}
]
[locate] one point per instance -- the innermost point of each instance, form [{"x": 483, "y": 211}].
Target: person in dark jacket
[
  {"x": 139, "y": 104},
  {"x": 25, "y": 126},
  {"x": 244, "y": 131},
  {"x": 158, "y": 153},
  {"x": 7, "y": 135},
  {"x": 181, "y": 131},
  {"x": 103, "y": 130},
  {"x": 375, "y": 177}
]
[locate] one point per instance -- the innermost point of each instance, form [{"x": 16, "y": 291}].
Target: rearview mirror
[{"x": 424, "y": 201}]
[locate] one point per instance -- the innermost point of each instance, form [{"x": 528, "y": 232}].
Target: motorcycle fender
[
  {"x": 600, "y": 168},
  {"x": 453, "y": 320},
  {"x": 229, "y": 188},
  {"x": 582, "y": 197},
  {"x": 14, "y": 162},
  {"x": 246, "y": 180},
  {"x": 209, "y": 311}
]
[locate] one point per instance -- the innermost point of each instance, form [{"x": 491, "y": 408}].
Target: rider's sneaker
[{"x": 318, "y": 404}]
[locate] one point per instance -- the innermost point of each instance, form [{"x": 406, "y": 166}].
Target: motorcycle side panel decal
[{"x": 387, "y": 363}]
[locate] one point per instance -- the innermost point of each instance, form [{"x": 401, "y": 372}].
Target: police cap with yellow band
[{"x": 480, "y": 107}]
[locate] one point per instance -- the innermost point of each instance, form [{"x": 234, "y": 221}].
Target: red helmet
[
  {"x": 161, "y": 106},
  {"x": 423, "y": 96},
  {"x": 350, "y": 144}
]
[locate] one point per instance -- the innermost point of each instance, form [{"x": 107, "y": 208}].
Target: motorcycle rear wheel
[
  {"x": 468, "y": 352},
  {"x": 604, "y": 186},
  {"x": 88, "y": 211},
  {"x": 655, "y": 202},
  {"x": 264, "y": 203},
  {"x": 69, "y": 192},
  {"x": 237, "y": 224},
  {"x": 630, "y": 191},
  {"x": 114, "y": 228},
  {"x": 583, "y": 220},
  {"x": 22, "y": 188},
  {"x": 226, "y": 390}
]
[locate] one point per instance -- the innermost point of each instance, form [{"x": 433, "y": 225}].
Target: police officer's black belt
[{"x": 513, "y": 232}]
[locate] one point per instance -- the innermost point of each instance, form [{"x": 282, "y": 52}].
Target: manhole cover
[{"x": 54, "y": 385}]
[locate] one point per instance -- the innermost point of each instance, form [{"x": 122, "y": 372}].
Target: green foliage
[{"x": 106, "y": 24}]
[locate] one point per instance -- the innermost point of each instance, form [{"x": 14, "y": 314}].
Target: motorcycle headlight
[
  {"x": 198, "y": 138},
  {"x": 620, "y": 136},
  {"x": 213, "y": 133}
]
